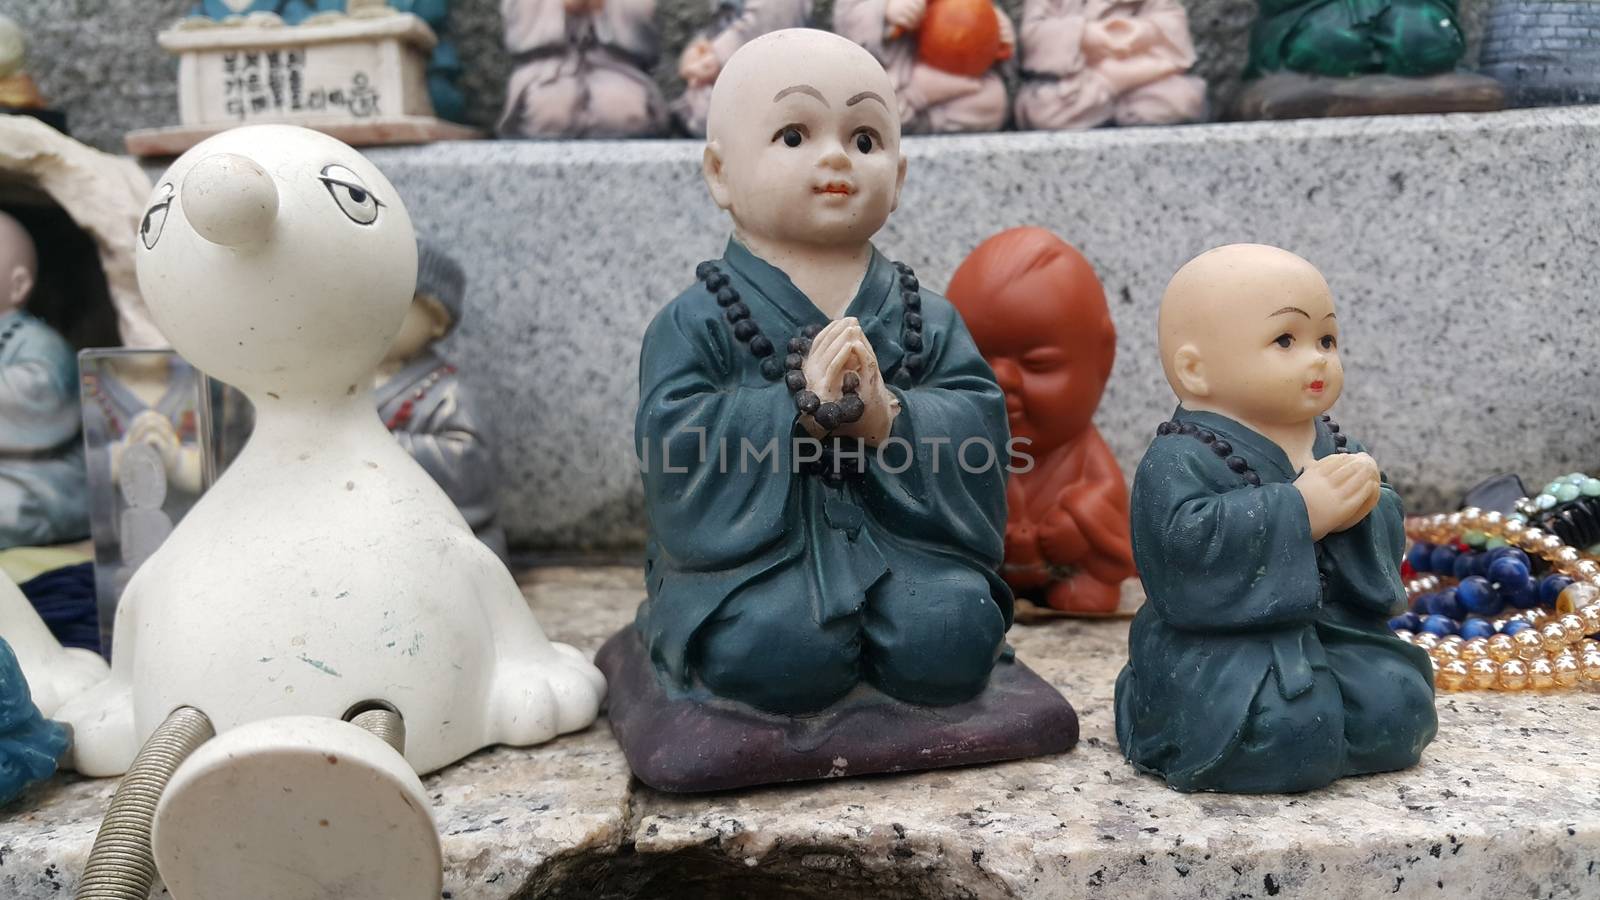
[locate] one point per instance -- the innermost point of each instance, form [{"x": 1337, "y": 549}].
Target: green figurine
[
  {"x": 1312, "y": 58},
  {"x": 1356, "y": 37},
  {"x": 1270, "y": 547}
]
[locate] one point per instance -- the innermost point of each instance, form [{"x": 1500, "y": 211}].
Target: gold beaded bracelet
[{"x": 1555, "y": 652}]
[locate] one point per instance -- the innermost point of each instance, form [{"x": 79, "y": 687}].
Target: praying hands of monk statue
[
  {"x": 1078, "y": 531},
  {"x": 1339, "y": 492},
  {"x": 841, "y": 350}
]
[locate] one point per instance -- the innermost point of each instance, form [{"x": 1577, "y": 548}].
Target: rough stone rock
[
  {"x": 103, "y": 195},
  {"x": 1291, "y": 95},
  {"x": 1502, "y": 806}
]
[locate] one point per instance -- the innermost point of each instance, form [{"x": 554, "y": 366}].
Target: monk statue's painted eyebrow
[
  {"x": 866, "y": 95},
  {"x": 801, "y": 89},
  {"x": 1291, "y": 309}
]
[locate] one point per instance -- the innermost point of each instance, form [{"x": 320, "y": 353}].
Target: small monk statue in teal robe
[
  {"x": 823, "y": 447},
  {"x": 1270, "y": 546}
]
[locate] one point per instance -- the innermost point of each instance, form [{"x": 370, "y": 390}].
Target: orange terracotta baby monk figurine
[{"x": 1039, "y": 316}]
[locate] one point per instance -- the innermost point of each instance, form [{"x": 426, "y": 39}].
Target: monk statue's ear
[
  {"x": 716, "y": 175},
  {"x": 20, "y": 287},
  {"x": 899, "y": 182},
  {"x": 1190, "y": 372}
]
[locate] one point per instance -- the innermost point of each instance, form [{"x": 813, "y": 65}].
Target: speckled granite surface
[
  {"x": 1503, "y": 806},
  {"x": 1458, "y": 248}
]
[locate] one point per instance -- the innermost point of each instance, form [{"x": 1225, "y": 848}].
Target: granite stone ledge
[
  {"x": 1502, "y": 806},
  {"x": 1458, "y": 247}
]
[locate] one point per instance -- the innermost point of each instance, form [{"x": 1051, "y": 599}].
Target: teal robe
[
  {"x": 30, "y": 744},
  {"x": 1263, "y": 662},
  {"x": 783, "y": 589}
]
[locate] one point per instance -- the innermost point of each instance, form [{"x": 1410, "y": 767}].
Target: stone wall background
[
  {"x": 98, "y": 59},
  {"x": 1544, "y": 51}
]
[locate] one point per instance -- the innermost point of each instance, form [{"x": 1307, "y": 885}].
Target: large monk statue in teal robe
[
  {"x": 1269, "y": 546},
  {"x": 824, "y": 458}
]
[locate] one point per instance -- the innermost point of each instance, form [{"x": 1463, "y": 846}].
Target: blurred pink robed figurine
[
  {"x": 932, "y": 100},
  {"x": 734, "y": 23},
  {"x": 582, "y": 69},
  {"x": 1089, "y": 62}
]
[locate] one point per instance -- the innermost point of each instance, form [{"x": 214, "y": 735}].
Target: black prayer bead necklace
[
  {"x": 1223, "y": 449},
  {"x": 791, "y": 369},
  {"x": 11, "y": 330}
]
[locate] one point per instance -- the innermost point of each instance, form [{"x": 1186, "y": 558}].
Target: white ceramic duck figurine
[{"x": 325, "y": 569}]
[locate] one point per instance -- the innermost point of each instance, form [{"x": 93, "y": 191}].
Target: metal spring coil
[
  {"x": 386, "y": 724},
  {"x": 122, "y": 864}
]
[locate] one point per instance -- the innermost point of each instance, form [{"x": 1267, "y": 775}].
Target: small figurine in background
[
  {"x": 141, "y": 423},
  {"x": 17, "y": 90},
  {"x": 42, "y": 478},
  {"x": 734, "y": 23},
  {"x": 1039, "y": 316},
  {"x": 942, "y": 56},
  {"x": 1270, "y": 547},
  {"x": 429, "y": 410},
  {"x": 1089, "y": 62},
  {"x": 844, "y": 584},
  {"x": 582, "y": 69},
  {"x": 29, "y": 743}
]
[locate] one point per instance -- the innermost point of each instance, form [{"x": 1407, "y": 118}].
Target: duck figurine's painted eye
[
  {"x": 156, "y": 218},
  {"x": 351, "y": 194}
]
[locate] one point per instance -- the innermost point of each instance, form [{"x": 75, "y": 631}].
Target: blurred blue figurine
[
  {"x": 42, "y": 477},
  {"x": 428, "y": 409},
  {"x": 30, "y": 744},
  {"x": 293, "y": 12},
  {"x": 444, "y": 69}
]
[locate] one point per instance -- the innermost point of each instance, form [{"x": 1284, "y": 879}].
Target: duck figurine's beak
[{"x": 230, "y": 200}]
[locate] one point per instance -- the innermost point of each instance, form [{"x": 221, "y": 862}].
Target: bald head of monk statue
[
  {"x": 803, "y": 141},
  {"x": 1249, "y": 331},
  {"x": 19, "y": 264}
]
